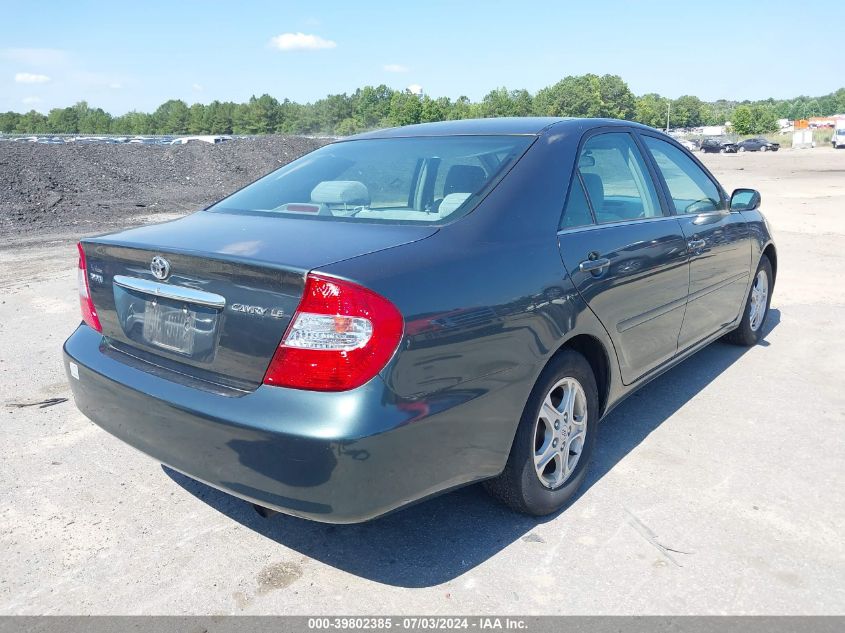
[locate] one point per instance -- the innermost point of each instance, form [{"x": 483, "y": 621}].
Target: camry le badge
[{"x": 275, "y": 313}]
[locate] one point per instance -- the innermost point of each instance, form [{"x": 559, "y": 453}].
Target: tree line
[{"x": 380, "y": 106}]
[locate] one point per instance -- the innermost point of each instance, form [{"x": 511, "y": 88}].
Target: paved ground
[{"x": 716, "y": 489}]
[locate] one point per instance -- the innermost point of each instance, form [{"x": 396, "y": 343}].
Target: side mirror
[{"x": 745, "y": 200}]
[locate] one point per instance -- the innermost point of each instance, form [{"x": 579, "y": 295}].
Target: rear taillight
[
  {"x": 89, "y": 312},
  {"x": 341, "y": 336}
]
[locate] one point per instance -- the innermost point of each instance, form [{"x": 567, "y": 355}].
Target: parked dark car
[
  {"x": 714, "y": 145},
  {"x": 757, "y": 145},
  {"x": 411, "y": 310}
]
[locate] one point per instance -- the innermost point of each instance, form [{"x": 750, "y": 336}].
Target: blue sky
[{"x": 122, "y": 56}]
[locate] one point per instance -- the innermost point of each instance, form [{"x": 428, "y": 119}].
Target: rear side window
[
  {"x": 616, "y": 179},
  {"x": 691, "y": 189},
  {"x": 392, "y": 180},
  {"x": 577, "y": 209}
]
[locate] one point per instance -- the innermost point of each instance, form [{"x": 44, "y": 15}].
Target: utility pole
[{"x": 668, "y": 110}]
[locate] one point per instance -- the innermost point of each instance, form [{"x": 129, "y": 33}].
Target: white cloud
[
  {"x": 35, "y": 56},
  {"x": 115, "y": 85},
  {"x": 396, "y": 68},
  {"x": 31, "y": 100},
  {"x": 31, "y": 78},
  {"x": 300, "y": 42},
  {"x": 197, "y": 87},
  {"x": 415, "y": 89}
]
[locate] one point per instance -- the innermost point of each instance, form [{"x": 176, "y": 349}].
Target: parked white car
[
  {"x": 838, "y": 139},
  {"x": 213, "y": 140}
]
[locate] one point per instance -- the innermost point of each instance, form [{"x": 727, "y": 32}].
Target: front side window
[
  {"x": 616, "y": 179},
  {"x": 393, "y": 180},
  {"x": 691, "y": 189}
]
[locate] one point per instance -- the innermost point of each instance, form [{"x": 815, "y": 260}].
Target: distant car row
[
  {"x": 715, "y": 145},
  {"x": 135, "y": 140}
]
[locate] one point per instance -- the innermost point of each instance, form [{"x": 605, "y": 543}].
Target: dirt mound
[{"x": 86, "y": 188}]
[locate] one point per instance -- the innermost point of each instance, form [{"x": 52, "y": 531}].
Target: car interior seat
[
  {"x": 595, "y": 191},
  {"x": 338, "y": 197},
  {"x": 463, "y": 179}
]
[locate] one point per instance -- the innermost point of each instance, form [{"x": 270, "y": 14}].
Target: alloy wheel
[
  {"x": 759, "y": 300},
  {"x": 559, "y": 432}
]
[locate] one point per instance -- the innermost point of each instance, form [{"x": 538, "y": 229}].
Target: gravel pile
[{"x": 47, "y": 189}]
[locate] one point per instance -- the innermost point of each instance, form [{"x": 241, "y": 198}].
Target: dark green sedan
[{"x": 415, "y": 309}]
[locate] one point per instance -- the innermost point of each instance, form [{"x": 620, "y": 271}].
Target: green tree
[
  {"x": 32, "y": 123},
  {"x": 133, "y": 123},
  {"x": 579, "y": 96},
  {"x": 261, "y": 115},
  {"x": 764, "y": 119},
  {"x": 63, "y": 121},
  {"x": 617, "y": 100},
  {"x": 432, "y": 110},
  {"x": 405, "y": 108},
  {"x": 501, "y": 102},
  {"x": 650, "y": 109},
  {"x": 347, "y": 127},
  {"x": 220, "y": 117},
  {"x": 9, "y": 122},
  {"x": 171, "y": 117},
  {"x": 686, "y": 112},
  {"x": 198, "y": 119},
  {"x": 754, "y": 119},
  {"x": 372, "y": 105},
  {"x": 462, "y": 108},
  {"x": 94, "y": 121},
  {"x": 742, "y": 120}
]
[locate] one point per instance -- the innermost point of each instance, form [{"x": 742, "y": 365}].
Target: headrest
[
  {"x": 463, "y": 179},
  {"x": 341, "y": 192},
  {"x": 451, "y": 202},
  {"x": 595, "y": 189}
]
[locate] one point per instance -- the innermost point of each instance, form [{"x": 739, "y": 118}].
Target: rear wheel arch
[
  {"x": 598, "y": 358},
  {"x": 596, "y": 355}
]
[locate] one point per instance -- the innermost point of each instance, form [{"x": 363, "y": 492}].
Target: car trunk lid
[{"x": 229, "y": 288}]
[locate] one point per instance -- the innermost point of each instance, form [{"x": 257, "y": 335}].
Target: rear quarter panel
[{"x": 486, "y": 300}]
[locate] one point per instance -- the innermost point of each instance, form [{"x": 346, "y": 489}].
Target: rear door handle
[
  {"x": 592, "y": 265},
  {"x": 694, "y": 245}
]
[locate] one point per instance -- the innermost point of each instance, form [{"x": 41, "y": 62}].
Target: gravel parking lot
[{"x": 716, "y": 489}]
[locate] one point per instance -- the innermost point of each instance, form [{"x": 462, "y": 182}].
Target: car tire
[
  {"x": 763, "y": 148},
  {"x": 722, "y": 150},
  {"x": 521, "y": 485},
  {"x": 741, "y": 149},
  {"x": 750, "y": 329}
]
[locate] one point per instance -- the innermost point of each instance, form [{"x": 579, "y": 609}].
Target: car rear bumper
[{"x": 333, "y": 457}]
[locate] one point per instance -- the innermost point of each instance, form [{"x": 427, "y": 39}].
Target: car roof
[{"x": 531, "y": 126}]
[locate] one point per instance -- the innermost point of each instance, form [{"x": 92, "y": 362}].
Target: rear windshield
[{"x": 395, "y": 180}]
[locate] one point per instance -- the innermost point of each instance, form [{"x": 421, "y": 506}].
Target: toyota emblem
[{"x": 160, "y": 267}]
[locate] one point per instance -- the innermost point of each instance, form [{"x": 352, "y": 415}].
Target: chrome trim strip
[
  {"x": 607, "y": 225},
  {"x": 178, "y": 293}
]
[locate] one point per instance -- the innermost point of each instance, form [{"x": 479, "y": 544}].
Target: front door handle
[
  {"x": 694, "y": 245},
  {"x": 593, "y": 265}
]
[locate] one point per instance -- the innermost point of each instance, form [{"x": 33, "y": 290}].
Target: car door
[
  {"x": 717, "y": 239},
  {"x": 623, "y": 251}
]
